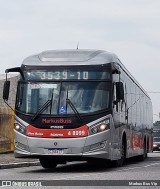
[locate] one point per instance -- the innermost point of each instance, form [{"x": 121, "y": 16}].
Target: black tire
[
  {"x": 120, "y": 162},
  {"x": 100, "y": 163},
  {"x": 144, "y": 155},
  {"x": 48, "y": 163}
]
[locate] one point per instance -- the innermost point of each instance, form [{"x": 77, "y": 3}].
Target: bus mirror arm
[
  {"x": 9, "y": 105},
  {"x": 16, "y": 69}
]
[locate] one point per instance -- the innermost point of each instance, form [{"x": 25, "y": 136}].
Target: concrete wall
[
  {"x": 6, "y": 114},
  {"x": 4, "y": 109}
]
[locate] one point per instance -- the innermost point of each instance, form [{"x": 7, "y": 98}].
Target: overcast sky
[{"x": 129, "y": 28}]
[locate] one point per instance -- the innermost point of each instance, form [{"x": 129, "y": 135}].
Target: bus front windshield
[{"x": 87, "y": 97}]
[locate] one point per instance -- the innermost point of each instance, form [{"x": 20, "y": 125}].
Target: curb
[{"x": 18, "y": 165}]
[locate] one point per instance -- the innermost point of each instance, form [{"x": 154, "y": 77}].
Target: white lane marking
[
  {"x": 92, "y": 174},
  {"x": 138, "y": 167}
]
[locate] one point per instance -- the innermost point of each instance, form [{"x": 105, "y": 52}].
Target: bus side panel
[{"x": 132, "y": 117}]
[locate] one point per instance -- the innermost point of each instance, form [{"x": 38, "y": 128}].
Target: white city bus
[{"x": 79, "y": 105}]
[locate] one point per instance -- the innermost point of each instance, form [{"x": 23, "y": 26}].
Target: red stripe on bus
[
  {"x": 136, "y": 141},
  {"x": 57, "y": 133}
]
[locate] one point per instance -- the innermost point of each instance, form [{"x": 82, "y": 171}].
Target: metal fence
[{"x": 6, "y": 130}]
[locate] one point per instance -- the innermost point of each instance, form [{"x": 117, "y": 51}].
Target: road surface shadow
[
  {"x": 97, "y": 166},
  {"x": 75, "y": 167}
]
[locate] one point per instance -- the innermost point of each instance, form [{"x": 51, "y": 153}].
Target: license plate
[
  {"x": 159, "y": 147},
  {"x": 56, "y": 151}
]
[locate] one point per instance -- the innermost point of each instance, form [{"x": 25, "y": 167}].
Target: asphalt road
[{"x": 77, "y": 173}]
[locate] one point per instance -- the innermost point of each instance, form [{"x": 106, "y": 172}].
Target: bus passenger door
[
  {"x": 115, "y": 139},
  {"x": 119, "y": 108},
  {"x": 119, "y": 117},
  {"x": 123, "y": 108}
]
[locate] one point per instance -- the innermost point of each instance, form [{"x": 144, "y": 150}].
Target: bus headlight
[
  {"x": 20, "y": 128},
  {"x": 100, "y": 127}
]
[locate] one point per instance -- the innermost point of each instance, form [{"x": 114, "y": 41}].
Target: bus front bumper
[{"x": 93, "y": 146}]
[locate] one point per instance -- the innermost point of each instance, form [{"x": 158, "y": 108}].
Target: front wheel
[
  {"x": 48, "y": 163},
  {"x": 120, "y": 162}
]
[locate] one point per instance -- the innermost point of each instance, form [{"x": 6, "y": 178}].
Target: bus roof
[
  {"x": 70, "y": 57},
  {"x": 75, "y": 57}
]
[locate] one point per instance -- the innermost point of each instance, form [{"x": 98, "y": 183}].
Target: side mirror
[
  {"x": 119, "y": 91},
  {"x": 6, "y": 88}
]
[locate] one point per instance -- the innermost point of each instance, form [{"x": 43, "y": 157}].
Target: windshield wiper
[
  {"x": 41, "y": 109},
  {"x": 68, "y": 101}
]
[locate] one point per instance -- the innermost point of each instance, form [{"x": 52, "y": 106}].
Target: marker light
[{"x": 94, "y": 130}]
